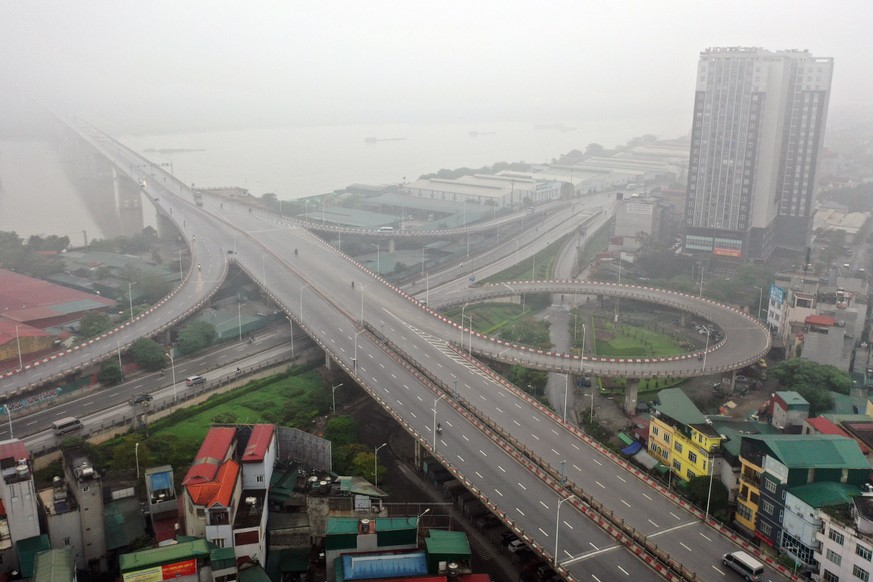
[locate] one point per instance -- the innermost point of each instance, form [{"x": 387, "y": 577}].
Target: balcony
[{"x": 752, "y": 480}]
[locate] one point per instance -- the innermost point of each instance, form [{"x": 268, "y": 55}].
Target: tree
[
  {"x": 152, "y": 287},
  {"x": 110, "y": 374},
  {"x": 363, "y": 464},
  {"x": 94, "y": 323},
  {"x": 344, "y": 456},
  {"x": 195, "y": 337},
  {"x": 698, "y": 491},
  {"x": 341, "y": 431},
  {"x": 149, "y": 354},
  {"x": 813, "y": 381}
]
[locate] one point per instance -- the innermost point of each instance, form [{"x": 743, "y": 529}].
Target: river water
[{"x": 39, "y": 196}]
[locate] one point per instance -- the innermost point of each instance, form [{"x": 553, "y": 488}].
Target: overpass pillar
[
  {"x": 631, "y": 394},
  {"x": 390, "y": 246},
  {"x": 327, "y": 363}
]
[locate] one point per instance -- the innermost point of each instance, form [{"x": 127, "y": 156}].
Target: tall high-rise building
[{"x": 759, "y": 123}]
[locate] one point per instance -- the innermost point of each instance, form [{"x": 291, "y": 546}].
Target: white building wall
[
  {"x": 839, "y": 547},
  {"x": 21, "y": 509},
  {"x": 220, "y": 535}
]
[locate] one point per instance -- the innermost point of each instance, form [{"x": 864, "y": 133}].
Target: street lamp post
[
  {"x": 462, "y": 323},
  {"x": 120, "y": 367},
  {"x": 136, "y": 454},
  {"x": 130, "y": 296},
  {"x": 173, "y": 369},
  {"x": 9, "y": 416},
  {"x": 566, "y": 390},
  {"x": 435, "y": 401},
  {"x": 591, "y": 415},
  {"x": 557, "y": 530},
  {"x": 333, "y": 396},
  {"x": 18, "y": 342},
  {"x": 705, "y": 350},
  {"x": 709, "y": 493},
  {"x": 417, "y": 519},
  {"x": 760, "y": 300},
  {"x": 355, "y": 358},
  {"x": 376, "y": 464}
]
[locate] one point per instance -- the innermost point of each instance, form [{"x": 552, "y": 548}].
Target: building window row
[
  {"x": 833, "y": 557},
  {"x": 861, "y": 574},
  {"x": 836, "y": 536}
]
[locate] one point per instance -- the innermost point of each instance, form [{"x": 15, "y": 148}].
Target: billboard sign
[{"x": 777, "y": 294}]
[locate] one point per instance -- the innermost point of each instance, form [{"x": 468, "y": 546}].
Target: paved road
[{"x": 313, "y": 286}]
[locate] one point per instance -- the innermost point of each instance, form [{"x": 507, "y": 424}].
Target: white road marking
[
  {"x": 544, "y": 533},
  {"x": 392, "y": 375},
  {"x": 28, "y": 423},
  {"x": 704, "y": 536},
  {"x": 647, "y": 497},
  {"x": 686, "y": 547},
  {"x": 625, "y": 502},
  {"x": 717, "y": 570},
  {"x": 623, "y": 570},
  {"x": 653, "y": 523},
  {"x": 517, "y": 405},
  {"x": 556, "y": 452},
  {"x": 593, "y": 546},
  {"x": 501, "y": 468},
  {"x": 413, "y": 414},
  {"x": 574, "y": 446},
  {"x": 602, "y": 486},
  {"x": 543, "y": 504},
  {"x": 674, "y": 515},
  {"x": 465, "y": 438},
  {"x": 405, "y": 386},
  {"x": 568, "y": 525},
  {"x": 522, "y": 486},
  {"x": 556, "y": 432},
  {"x": 516, "y": 422},
  {"x": 498, "y": 410},
  {"x": 498, "y": 492},
  {"x": 520, "y": 511},
  {"x": 621, "y": 478},
  {"x": 535, "y": 418},
  {"x": 598, "y": 462},
  {"x": 577, "y": 467},
  {"x": 534, "y": 436},
  {"x": 484, "y": 454},
  {"x": 482, "y": 397},
  {"x": 400, "y": 403},
  {"x": 419, "y": 398}
]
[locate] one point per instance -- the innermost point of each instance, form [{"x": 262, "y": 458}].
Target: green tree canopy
[
  {"x": 110, "y": 374},
  {"x": 698, "y": 491},
  {"x": 363, "y": 465},
  {"x": 813, "y": 381},
  {"x": 195, "y": 337},
  {"x": 94, "y": 323},
  {"x": 149, "y": 354},
  {"x": 341, "y": 431}
]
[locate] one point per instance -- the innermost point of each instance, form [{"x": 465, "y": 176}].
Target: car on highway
[
  {"x": 141, "y": 399},
  {"x": 192, "y": 380}
]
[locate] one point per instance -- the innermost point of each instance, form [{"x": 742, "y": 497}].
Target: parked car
[
  {"x": 742, "y": 379},
  {"x": 515, "y": 545}
]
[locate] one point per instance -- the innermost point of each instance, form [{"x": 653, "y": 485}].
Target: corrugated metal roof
[
  {"x": 815, "y": 451},
  {"x": 369, "y": 566},
  {"x": 124, "y": 522},
  {"x": 442, "y": 542},
  {"x": 24, "y": 298},
  {"x": 259, "y": 442},
  {"x": 825, "y": 493},
  {"x": 55, "y": 566},
  {"x": 824, "y": 426},
  {"x": 13, "y": 449},
  {"x": 211, "y": 454},
  {"x": 220, "y": 490},
  {"x": 792, "y": 398},
  {"x": 674, "y": 403},
  {"x": 198, "y": 548},
  {"x": 253, "y": 574}
]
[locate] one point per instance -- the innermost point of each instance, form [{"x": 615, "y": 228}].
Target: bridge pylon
[{"x": 631, "y": 394}]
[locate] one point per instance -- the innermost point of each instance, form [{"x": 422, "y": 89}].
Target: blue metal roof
[{"x": 370, "y": 566}]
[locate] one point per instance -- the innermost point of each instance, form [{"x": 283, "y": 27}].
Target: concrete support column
[
  {"x": 630, "y": 396},
  {"x": 327, "y": 362},
  {"x": 391, "y": 246}
]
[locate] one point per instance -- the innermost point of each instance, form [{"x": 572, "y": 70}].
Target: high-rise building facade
[{"x": 759, "y": 123}]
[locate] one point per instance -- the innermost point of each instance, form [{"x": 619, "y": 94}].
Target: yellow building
[
  {"x": 749, "y": 496},
  {"x": 681, "y": 437}
]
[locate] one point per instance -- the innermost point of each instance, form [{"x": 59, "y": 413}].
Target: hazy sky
[{"x": 177, "y": 65}]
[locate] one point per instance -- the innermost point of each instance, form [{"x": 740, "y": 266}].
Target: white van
[
  {"x": 386, "y": 229},
  {"x": 65, "y": 425},
  {"x": 192, "y": 380},
  {"x": 747, "y": 566}
]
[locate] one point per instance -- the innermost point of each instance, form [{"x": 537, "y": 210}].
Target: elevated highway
[{"x": 502, "y": 445}]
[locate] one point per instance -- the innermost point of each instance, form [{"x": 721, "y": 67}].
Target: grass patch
[
  {"x": 283, "y": 399},
  {"x": 535, "y": 268},
  {"x": 487, "y": 317},
  {"x": 598, "y": 243},
  {"x": 631, "y": 341}
]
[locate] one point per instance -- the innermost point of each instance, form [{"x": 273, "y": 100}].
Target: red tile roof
[
  {"x": 220, "y": 490},
  {"x": 211, "y": 454},
  {"x": 820, "y": 320},
  {"x": 25, "y": 299},
  {"x": 9, "y": 334},
  {"x": 259, "y": 442},
  {"x": 824, "y": 426}
]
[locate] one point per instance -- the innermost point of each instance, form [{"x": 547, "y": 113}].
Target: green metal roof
[
  {"x": 825, "y": 493},
  {"x": 349, "y": 525},
  {"x": 792, "y": 398},
  {"x": 359, "y": 486},
  {"x": 817, "y": 451},
  {"x": 735, "y": 431},
  {"x": 253, "y": 574},
  {"x": 674, "y": 403},
  {"x": 222, "y": 558},
  {"x": 440, "y": 542},
  {"x": 287, "y": 561},
  {"x": 198, "y": 548},
  {"x": 55, "y": 566},
  {"x": 27, "y": 551},
  {"x": 124, "y": 522}
]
